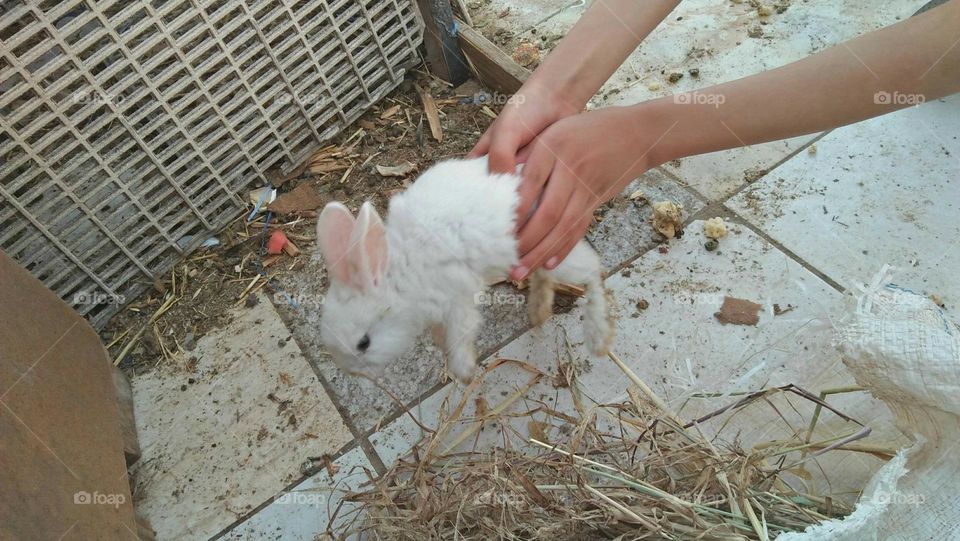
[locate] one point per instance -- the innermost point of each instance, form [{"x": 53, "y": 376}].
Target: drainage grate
[{"x": 128, "y": 130}]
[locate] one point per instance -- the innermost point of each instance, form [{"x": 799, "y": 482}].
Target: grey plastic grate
[{"x": 130, "y": 129}]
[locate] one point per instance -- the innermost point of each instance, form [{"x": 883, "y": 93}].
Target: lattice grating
[{"x": 130, "y": 129}]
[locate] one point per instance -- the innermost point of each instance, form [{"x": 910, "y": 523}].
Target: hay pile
[{"x": 631, "y": 470}]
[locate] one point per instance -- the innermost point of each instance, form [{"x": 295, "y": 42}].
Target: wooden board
[
  {"x": 494, "y": 68},
  {"x": 440, "y": 40}
]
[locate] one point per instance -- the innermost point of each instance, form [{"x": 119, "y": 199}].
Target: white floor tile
[
  {"x": 304, "y": 512},
  {"x": 222, "y": 437},
  {"x": 882, "y": 191}
]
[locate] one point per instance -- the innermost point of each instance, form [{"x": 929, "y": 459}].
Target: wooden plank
[
  {"x": 433, "y": 115},
  {"x": 494, "y": 68},
  {"x": 444, "y": 55}
]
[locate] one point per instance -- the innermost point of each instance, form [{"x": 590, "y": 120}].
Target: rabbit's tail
[{"x": 598, "y": 322}]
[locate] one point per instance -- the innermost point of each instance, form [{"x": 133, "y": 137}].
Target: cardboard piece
[{"x": 61, "y": 453}]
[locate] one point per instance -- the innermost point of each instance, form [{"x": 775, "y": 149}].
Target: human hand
[
  {"x": 574, "y": 166},
  {"x": 528, "y": 112}
]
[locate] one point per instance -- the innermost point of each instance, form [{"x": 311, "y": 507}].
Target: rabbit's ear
[
  {"x": 334, "y": 227},
  {"x": 368, "y": 248}
]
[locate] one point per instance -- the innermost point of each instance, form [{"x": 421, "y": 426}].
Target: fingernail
[
  {"x": 518, "y": 273},
  {"x": 552, "y": 262}
]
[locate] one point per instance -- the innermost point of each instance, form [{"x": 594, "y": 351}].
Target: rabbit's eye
[{"x": 364, "y": 343}]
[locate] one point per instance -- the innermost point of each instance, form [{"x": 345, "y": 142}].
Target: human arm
[
  {"x": 918, "y": 58},
  {"x": 570, "y": 75}
]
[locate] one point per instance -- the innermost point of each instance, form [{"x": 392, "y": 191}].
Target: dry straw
[{"x": 629, "y": 470}]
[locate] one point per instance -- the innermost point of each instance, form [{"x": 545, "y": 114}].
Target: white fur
[{"x": 447, "y": 236}]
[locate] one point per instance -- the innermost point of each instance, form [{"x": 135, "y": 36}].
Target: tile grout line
[
  {"x": 358, "y": 441},
  {"x": 225, "y": 531},
  {"x": 786, "y": 251},
  {"x": 776, "y": 164},
  {"x": 720, "y": 208},
  {"x": 723, "y": 208},
  {"x": 425, "y": 395},
  {"x": 358, "y": 437},
  {"x": 683, "y": 185}
]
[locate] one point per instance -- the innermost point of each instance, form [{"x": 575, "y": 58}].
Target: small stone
[
  {"x": 694, "y": 72},
  {"x": 642, "y": 304},
  {"x": 711, "y": 245},
  {"x": 188, "y": 342},
  {"x": 755, "y": 31},
  {"x": 675, "y": 76}
]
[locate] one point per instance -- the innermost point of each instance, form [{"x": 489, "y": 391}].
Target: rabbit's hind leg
[
  {"x": 459, "y": 339},
  {"x": 540, "y": 298},
  {"x": 582, "y": 267}
]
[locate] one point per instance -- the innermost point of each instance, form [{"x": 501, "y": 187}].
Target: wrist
[
  {"x": 651, "y": 127},
  {"x": 561, "y": 96}
]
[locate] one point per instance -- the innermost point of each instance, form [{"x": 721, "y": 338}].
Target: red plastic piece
[{"x": 276, "y": 243}]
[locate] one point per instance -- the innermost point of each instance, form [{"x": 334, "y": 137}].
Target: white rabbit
[{"x": 446, "y": 238}]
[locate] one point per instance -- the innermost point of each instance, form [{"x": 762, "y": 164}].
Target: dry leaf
[
  {"x": 481, "y": 406},
  {"x": 736, "y": 311},
  {"x": 389, "y": 112},
  {"x": 400, "y": 170},
  {"x": 326, "y": 167},
  {"x": 278, "y": 178},
  {"x": 303, "y": 197},
  {"x": 538, "y": 430}
]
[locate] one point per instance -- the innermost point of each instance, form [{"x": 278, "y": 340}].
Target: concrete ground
[{"x": 811, "y": 218}]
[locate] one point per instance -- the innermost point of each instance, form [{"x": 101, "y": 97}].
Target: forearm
[
  {"x": 914, "y": 60},
  {"x": 596, "y": 46}
]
